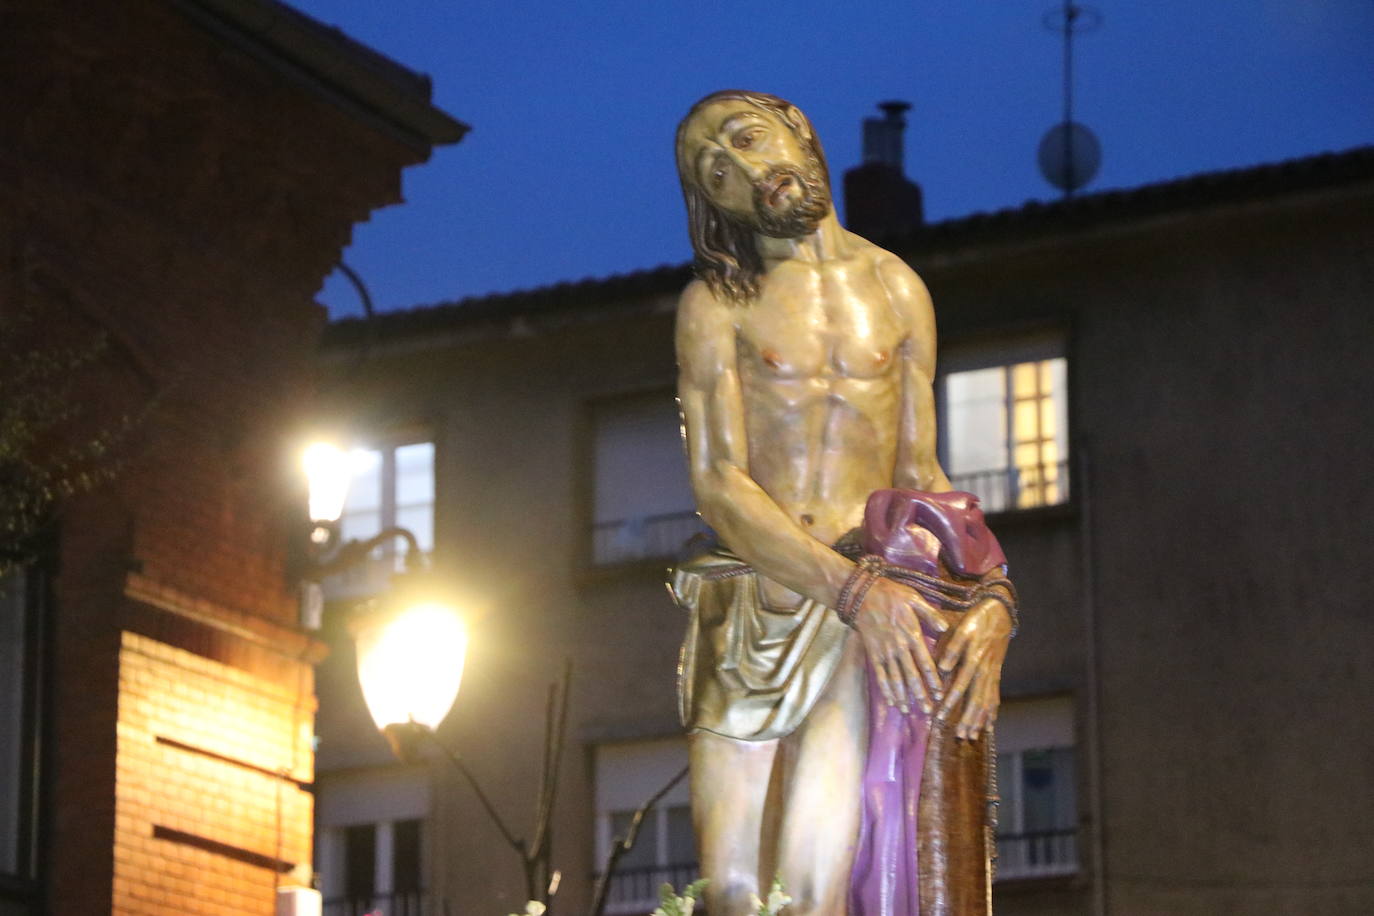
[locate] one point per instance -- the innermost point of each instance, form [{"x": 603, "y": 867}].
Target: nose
[{"x": 754, "y": 170}]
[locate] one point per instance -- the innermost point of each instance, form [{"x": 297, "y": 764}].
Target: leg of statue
[
  {"x": 822, "y": 765},
  {"x": 730, "y": 782}
]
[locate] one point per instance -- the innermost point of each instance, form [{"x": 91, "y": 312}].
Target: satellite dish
[{"x": 1069, "y": 156}]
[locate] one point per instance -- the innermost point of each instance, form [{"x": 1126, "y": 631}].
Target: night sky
[{"x": 568, "y": 171}]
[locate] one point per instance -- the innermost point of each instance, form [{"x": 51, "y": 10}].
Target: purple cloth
[
  {"x": 884, "y": 881},
  {"x": 913, "y": 529}
]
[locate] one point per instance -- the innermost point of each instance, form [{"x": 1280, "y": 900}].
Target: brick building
[
  {"x": 176, "y": 179},
  {"x": 1162, "y": 395}
]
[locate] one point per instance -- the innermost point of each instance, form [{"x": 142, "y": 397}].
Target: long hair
[{"x": 727, "y": 257}]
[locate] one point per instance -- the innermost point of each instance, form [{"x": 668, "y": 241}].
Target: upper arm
[
  {"x": 917, "y": 465},
  {"x": 708, "y": 385}
]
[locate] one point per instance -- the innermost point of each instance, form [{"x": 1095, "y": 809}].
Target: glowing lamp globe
[
  {"x": 329, "y": 469},
  {"x": 410, "y": 665}
]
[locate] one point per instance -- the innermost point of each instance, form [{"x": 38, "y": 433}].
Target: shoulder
[
  {"x": 705, "y": 324},
  {"x": 903, "y": 284}
]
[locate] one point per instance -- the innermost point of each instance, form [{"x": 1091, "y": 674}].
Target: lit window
[
  {"x": 1005, "y": 432},
  {"x": 642, "y": 506},
  {"x": 391, "y": 486},
  {"x": 627, "y": 775},
  {"x": 1037, "y": 830}
]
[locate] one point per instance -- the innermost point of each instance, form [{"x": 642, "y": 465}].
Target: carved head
[{"x": 750, "y": 164}]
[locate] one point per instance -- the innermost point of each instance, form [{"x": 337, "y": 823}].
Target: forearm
[{"x": 753, "y": 526}]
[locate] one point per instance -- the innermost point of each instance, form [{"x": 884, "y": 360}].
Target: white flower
[{"x": 777, "y": 899}]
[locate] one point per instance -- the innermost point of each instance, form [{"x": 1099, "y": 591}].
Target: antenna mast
[{"x": 1069, "y": 153}]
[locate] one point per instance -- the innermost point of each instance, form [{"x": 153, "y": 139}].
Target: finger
[
  {"x": 897, "y": 678},
  {"x": 884, "y": 682},
  {"x": 929, "y": 615},
  {"x": 949, "y": 656},
  {"x": 912, "y": 678},
  {"x": 934, "y": 684},
  {"x": 976, "y": 710},
  {"x": 961, "y": 684}
]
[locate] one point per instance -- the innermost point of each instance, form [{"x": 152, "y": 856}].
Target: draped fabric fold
[
  {"x": 748, "y": 671},
  {"x": 925, "y": 836}
]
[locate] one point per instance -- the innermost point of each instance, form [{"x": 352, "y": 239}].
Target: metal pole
[{"x": 1070, "y": 13}]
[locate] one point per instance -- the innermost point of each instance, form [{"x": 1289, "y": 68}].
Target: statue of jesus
[{"x": 806, "y": 359}]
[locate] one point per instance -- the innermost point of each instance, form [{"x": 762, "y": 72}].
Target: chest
[{"x": 816, "y": 323}]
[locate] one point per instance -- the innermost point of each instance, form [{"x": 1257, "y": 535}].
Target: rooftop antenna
[{"x": 1069, "y": 153}]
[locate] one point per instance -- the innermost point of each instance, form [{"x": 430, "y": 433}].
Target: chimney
[{"x": 879, "y": 201}]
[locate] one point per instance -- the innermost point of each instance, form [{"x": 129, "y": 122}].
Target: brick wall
[
  {"x": 210, "y": 813},
  {"x": 180, "y": 200}
]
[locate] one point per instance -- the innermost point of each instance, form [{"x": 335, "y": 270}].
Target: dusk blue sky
[{"x": 568, "y": 171}]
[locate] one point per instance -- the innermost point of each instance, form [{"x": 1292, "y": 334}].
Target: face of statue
[{"x": 750, "y": 163}]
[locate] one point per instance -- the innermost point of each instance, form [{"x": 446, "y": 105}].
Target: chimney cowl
[{"x": 883, "y": 136}]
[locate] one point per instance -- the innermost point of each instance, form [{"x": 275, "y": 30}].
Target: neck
[{"x": 827, "y": 243}]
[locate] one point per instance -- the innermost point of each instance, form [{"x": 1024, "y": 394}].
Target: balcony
[
  {"x": 634, "y": 891},
  {"x": 411, "y": 903},
  {"x": 1009, "y": 489},
  {"x": 1037, "y": 854},
  {"x": 647, "y": 537}
]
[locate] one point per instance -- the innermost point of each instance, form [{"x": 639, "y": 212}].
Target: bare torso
[{"x": 818, "y": 357}]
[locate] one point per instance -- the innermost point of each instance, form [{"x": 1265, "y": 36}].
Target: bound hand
[
  {"x": 890, "y": 621},
  {"x": 974, "y": 652}
]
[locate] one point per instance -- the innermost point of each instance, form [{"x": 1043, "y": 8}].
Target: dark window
[
  {"x": 22, "y": 599},
  {"x": 405, "y": 857},
  {"x": 642, "y": 505},
  {"x": 360, "y": 861}
]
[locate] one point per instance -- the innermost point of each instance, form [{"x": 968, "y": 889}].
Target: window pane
[
  {"x": 1009, "y": 789},
  {"x": 1025, "y": 380},
  {"x": 642, "y": 500},
  {"x": 365, "y": 490},
  {"x": 1058, "y": 371},
  {"x": 641, "y": 470},
  {"x": 1049, "y": 418},
  {"x": 976, "y": 424},
  {"x": 420, "y": 520},
  {"x": 682, "y": 847},
  {"x": 1008, "y": 458},
  {"x": 415, "y": 474},
  {"x": 360, "y": 525},
  {"x": 1027, "y": 421},
  {"x": 1048, "y": 790},
  {"x": 645, "y": 851},
  {"x": 405, "y": 857},
  {"x": 360, "y": 860},
  {"x": 12, "y": 658}
]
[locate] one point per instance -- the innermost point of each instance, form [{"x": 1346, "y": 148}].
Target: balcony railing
[
  {"x": 1003, "y": 489},
  {"x": 1037, "y": 854},
  {"x": 635, "y": 890},
  {"x": 647, "y": 537},
  {"x": 411, "y": 903}
]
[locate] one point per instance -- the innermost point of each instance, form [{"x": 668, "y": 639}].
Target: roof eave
[{"x": 372, "y": 87}]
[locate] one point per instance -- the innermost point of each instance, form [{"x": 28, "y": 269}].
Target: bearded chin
[{"x": 805, "y": 213}]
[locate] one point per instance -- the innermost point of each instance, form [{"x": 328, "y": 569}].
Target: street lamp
[
  {"x": 410, "y": 651},
  {"x": 410, "y": 665}
]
